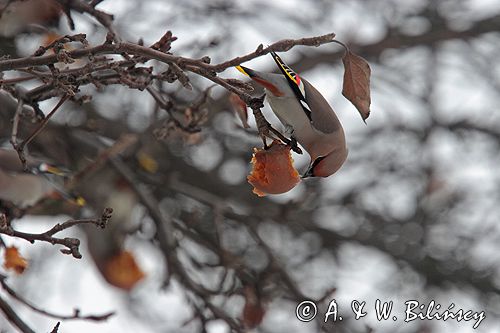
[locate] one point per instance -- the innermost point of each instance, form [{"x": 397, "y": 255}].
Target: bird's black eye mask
[
  {"x": 316, "y": 161},
  {"x": 310, "y": 171}
]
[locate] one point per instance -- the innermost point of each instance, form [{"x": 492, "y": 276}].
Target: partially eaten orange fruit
[{"x": 273, "y": 171}]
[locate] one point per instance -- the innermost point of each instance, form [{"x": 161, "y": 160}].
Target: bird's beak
[
  {"x": 310, "y": 170},
  {"x": 308, "y": 173}
]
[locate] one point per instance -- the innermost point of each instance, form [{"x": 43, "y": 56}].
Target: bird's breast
[{"x": 289, "y": 111}]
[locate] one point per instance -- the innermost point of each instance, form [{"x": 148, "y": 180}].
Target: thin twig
[
  {"x": 150, "y": 53},
  {"x": 287, "y": 280},
  {"x": 75, "y": 315},
  {"x": 59, "y": 42},
  {"x": 123, "y": 143},
  {"x": 13, "y": 317},
  {"x": 84, "y": 7},
  {"x": 56, "y": 328},
  {"x": 72, "y": 244},
  {"x": 163, "y": 223},
  {"x": 94, "y": 3},
  {"x": 43, "y": 122},
  {"x": 15, "y": 125},
  {"x": 20, "y": 147},
  {"x": 17, "y": 80},
  {"x": 280, "y": 46},
  {"x": 168, "y": 106}
]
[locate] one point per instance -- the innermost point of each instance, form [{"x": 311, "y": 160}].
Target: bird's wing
[
  {"x": 317, "y": 109},
  {"x": 323, "y": 117}
]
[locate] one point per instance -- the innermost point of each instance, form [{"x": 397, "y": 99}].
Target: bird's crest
[
  {"x": 287, "y": 71},
  {"x": 294, "y": 82}
]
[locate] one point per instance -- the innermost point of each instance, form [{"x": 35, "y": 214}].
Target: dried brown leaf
[
  {"x": 122, "y": 271},
  {"x": 253, "y": 311},
  {"x": 14, "y": 260},
  {"x": 240, "y": 108},
  {"x": 356, "y": 87}
]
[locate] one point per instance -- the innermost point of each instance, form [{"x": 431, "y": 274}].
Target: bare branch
[
  {"x": 75, "y": 315},
  {"x": 13, "y": 317},
  {"x": 20, "y": 148},
  {"x": 15, "y": 125},
  {"x": 72, "y": 244},
  {"x": 84, "y": 7},
  {"x": 163, "y": 223},
  {"x": 280, "y": 46},
  {"x": 150, "y": 53}
]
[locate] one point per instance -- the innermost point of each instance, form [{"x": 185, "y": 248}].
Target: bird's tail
[
  {"x": 49, "y": 171},
  {"x": 247, "y": 71},
  {"x": 68, "y": 196},
  {"x": 241, "y": 70}
]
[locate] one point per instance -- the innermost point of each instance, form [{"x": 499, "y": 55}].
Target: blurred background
[{"x": 412, "y": 215}]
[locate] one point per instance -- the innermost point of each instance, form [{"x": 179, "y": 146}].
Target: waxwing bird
[
  {"x": 9, "y": 160},
  {"x": 306, "y": 115},
  {"x": 25, "y": 188}
]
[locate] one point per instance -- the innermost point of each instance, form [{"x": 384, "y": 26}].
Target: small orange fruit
[{"x": 273, "y": 171}]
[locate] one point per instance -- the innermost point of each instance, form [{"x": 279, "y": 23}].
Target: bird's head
[
  {"x": 324, "y": 166},
  {"x": 267, "y": 80}
]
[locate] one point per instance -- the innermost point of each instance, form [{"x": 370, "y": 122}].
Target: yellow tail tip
[
  {"x": 147, "y": 162},
  {"x": 241, "y": 70},
  {"x": 80, "y": 201}
]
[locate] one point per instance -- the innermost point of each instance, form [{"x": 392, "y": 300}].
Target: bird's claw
[
  {"x": 266, "y": 146},
  {"x": 295, "y": 147},
  {"x": 265, "y": 129}
]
